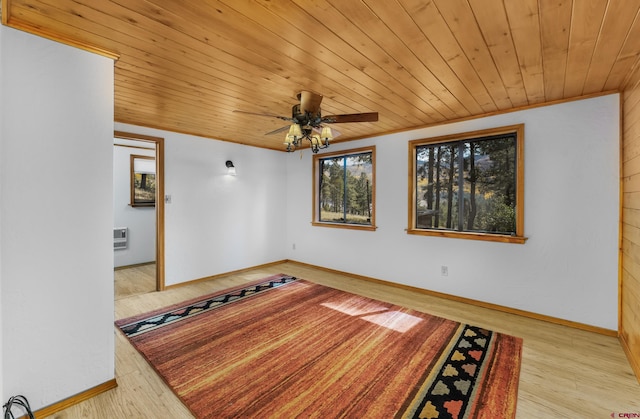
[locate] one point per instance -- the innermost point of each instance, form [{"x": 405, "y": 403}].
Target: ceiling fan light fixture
[
  {"x": 315, "y": 142},
  {"x": 295, "y": 132},
  {"x": 326, "y": 134},
  {"x": 318, "y": 142},
  {"x": 293, "y": 138}
]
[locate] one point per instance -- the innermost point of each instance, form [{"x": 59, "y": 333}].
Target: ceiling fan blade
[
  {"x": 284, "y": 118},
  {"x": 281, "y": 129},
  {"x": 351, "y": 117},
  {"x": 309, "y": 102}
]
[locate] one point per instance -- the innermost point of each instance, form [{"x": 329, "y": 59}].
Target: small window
[
  {"x": 468, "y": 185},
  {"x": 143, "y": 181},
  {"x": 344, "y": 189}
]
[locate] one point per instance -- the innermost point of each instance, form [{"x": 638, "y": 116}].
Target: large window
[
  {"x": 469, "y": 185},
  {"x": 344, "y": 189}
]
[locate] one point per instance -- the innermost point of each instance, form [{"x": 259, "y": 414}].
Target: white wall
[
  {"x": 567, "y": 269},
  {"x": 56, "y": 219},
  {"x": 216, "y": 223},
  {"x": 141, "y": 221}
]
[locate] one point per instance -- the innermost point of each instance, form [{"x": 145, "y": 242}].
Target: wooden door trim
[{"x": 159, "y": 146}]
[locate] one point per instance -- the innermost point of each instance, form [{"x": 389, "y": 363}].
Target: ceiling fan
[{"x": 308, "y": 122}]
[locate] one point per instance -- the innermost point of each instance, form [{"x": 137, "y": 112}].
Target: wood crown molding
[{"x": 18, "y": 24}]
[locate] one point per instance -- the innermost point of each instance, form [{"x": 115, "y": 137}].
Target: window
[
  {"x": 468, "y": 185},
  {"x": 344, "y": 189},
  {"x": 143, "y": 181}
]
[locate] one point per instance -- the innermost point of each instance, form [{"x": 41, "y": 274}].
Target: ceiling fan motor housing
[{"x": 305, "y": 119}]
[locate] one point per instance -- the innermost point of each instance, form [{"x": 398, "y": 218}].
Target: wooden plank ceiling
[{"x": 186, "y": 66}]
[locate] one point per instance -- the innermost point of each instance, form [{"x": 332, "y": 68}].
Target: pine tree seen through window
[
  {"x": 344, "y": 188},
  {"x": 469, "y": 184}
]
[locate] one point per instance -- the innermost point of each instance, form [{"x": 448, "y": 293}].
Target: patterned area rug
[{"x": 286, "y": 347}]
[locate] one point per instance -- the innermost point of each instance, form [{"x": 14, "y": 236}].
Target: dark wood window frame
[{"x": 135, "y": 202}]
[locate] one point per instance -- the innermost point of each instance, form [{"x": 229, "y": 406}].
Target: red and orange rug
[{"x": 286, "y": 347}]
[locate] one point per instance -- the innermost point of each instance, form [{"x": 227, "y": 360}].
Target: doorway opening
[{"x": 146, "y": 149}]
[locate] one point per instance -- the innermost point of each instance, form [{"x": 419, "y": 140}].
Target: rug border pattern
[{"x": 185, "y": 311}]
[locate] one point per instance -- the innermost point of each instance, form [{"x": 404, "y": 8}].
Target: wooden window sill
[{"x": 470, "y": 236}]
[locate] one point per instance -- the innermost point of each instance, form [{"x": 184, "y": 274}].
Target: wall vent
[{"x": 120, "y": 238}]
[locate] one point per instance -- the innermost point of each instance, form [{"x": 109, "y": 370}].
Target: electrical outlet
[
  {"x": 293, "y": 246},
  {"x": 444, "y": 270},
  {"x": 167, "y": 199}
]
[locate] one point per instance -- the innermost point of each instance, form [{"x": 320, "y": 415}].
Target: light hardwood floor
[
  {"x": 566, "y": 373},
  {"x": 135, "y": 281}
]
